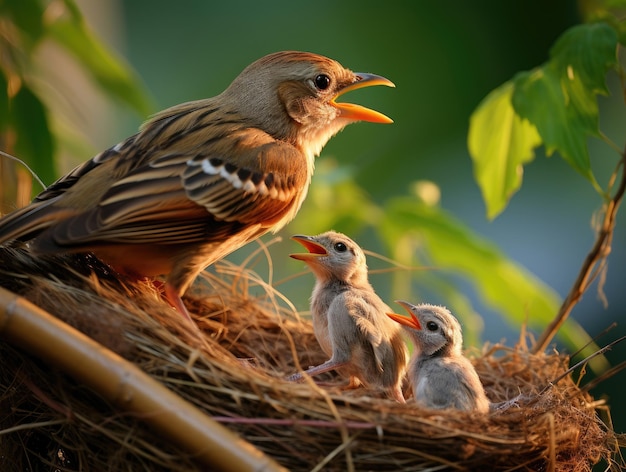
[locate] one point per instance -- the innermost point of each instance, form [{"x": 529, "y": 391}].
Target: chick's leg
[
  {"x": 396, "y": 394},
  {"x": 327, "y": 366}
]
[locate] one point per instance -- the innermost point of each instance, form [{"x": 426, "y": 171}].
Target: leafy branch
[{"x": 554, "y": 105}]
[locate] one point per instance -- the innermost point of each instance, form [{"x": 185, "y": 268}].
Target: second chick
[
  {"x": 349, "y": 319},
  {"x": 440, "y": 375}
]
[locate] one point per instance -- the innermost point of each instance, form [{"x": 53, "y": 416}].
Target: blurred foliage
[
  {"x": 25, "y": 129},
  {"x": 554, "y": 105}
]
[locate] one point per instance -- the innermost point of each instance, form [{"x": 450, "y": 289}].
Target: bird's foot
[
  {"x": 295, "y": 377},
  {"x": 353, "y": 383},
  {"x": 513, "y": 402}
]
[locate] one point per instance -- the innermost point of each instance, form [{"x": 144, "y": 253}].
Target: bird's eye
[
  {"x": 340, "y": 247},
  {"x": 322, "y": 82},
  {"x": 432, "y": 326}
]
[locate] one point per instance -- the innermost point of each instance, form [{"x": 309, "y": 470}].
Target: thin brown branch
[
  {"x": 589, "y": 270},
  {"x": 606, "y": 375},
  {"x": 594, "y": 339}
]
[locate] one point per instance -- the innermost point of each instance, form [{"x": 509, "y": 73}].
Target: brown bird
[
  {"x": 349, "y": 319},
  {"x": 200, "y": 179},
  {"x": 440, "y": 375}
]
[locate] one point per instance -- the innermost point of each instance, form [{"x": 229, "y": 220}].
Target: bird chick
[
  {"x": 202, "y": 178},
  {"x": 440, "y": 375},
  {"x": 349, "y": 319}
]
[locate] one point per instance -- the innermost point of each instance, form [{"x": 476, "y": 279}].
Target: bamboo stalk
[{"x": 30, "y": 328}]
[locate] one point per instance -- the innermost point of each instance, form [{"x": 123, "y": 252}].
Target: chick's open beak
[
  {"x": 315, "y": 250},
  {"x": 355, "y": 112},
  {"x": 411, "y": 322}
]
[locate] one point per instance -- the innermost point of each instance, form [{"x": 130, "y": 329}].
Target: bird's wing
[
  {"x": 365, "y": 313},
  {"x": 182, "y": 197},
  {"x": 469, "y": 384},
  {"x": 260, "y": 185},
  {"x": 68, "y": 180},
  {"x": 445, "y": 383},
  {"x": 100, "y": 172}
]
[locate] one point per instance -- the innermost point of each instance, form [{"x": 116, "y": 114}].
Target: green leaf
[
  {"x": 34, "y": 143},
  {"x": 559, "y": 98},
  {"x": 586, "y": 52},
  {"x": 500, "y": 143},
  {"x": 451, "y": 246},
  {"x": 539, "y": 98},
  {"x": 110, "y": 72}
]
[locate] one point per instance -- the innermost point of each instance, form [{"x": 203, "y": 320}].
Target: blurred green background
[{"x": 444, "y": 57}]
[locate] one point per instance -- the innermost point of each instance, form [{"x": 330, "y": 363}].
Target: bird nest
[{"x": 234, "y": 373}]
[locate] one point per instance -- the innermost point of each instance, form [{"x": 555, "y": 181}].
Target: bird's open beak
[
  {"x": 315, "y": 250},
  {"x": 411, "y": 322},
  {"x": 355, "y": 112}
]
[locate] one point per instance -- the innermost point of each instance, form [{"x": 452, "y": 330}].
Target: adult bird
[
  {"x": 200, "y": 179},
  {"x": 349, "y": 319},
  {"x": 441, "y": 377}
]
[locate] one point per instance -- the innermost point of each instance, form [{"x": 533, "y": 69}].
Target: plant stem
[{"x": 592, "y": 264}]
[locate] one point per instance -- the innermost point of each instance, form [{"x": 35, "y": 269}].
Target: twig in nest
[
  {"x": 608, "y": 374},
  {"x": 583, "y": 362},
  {"x": 594, "y": 262},
  {"x": 294, "y": 422},
  {"x": 594, "y": 339}
]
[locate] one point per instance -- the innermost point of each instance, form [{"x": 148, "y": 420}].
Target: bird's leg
[
  {"x": 513, "y": 402},
  {"x": 174, "y": 298},
  {"x": 320, "y": 369},
  {"x": 396, "y": 394}
]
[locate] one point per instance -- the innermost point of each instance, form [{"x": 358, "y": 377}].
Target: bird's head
[
  {"x": 433, "y": 329},
  {"x": 333, "y": 255},
  {"x": 293, "y": 96}
]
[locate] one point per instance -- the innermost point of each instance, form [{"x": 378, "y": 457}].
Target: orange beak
[
  {"x": 315, "y": 250},
  {"x": 411, "y": 322},
  {"x": 355, "y": 112}
]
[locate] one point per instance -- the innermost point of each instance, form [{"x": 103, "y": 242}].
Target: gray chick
[
  {"x": 349, "y": 319},
  {"x": 440, "y": 375}
]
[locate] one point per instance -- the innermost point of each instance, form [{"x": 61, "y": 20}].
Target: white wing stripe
[
  {"x": 208, "y": 168},
  {"x": 233, "y": 178}
]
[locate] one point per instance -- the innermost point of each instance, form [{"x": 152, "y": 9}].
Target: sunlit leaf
[
  {"x": 34, "y": 143},
  {"x": 502, "y": 284},
  {"x": 500, "y": 143},
  {"x": 109, "y": 71}
]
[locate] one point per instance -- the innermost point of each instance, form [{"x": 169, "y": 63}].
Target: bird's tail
[{"x": 28, "y": 222}]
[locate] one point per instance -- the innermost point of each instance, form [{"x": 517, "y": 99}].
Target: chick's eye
[
  {"x": 432, "y": 326},
  {"x": 340, "y": 247},
  {"x": 322, "y": 82}
]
